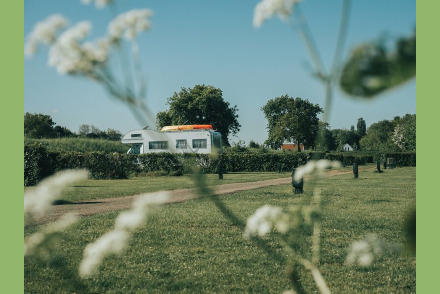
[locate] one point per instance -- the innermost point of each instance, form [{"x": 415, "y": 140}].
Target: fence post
[
  {"x": 297, "y": 185},
  {"x": 355, "y": 170},
  {"x": 220, "y": 168}
]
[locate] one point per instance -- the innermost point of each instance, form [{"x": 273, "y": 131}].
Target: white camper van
[{"x": 174, "y": 139}]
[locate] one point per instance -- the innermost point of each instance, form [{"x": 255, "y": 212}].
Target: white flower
[
  {"x": 365, "y": 252},
  {"x": 142, "y": 206},
  {"x": 265, "y": 219},
  {"x": 39, "y": 199},
  {"x": 100, "y": 4},
  {"x": 44, "y": 32},
  {"x": 268, "y": 8},
  {"x": 313, "y": 166},
  {"x": 35, "y": 240},
  {"x": 115, "y": 241},
  {"x": 112, "y": 242},
  {"x": 129, "y": 24},
  {"x": 69, "y": 56}
]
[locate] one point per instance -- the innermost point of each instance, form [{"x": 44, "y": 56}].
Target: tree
[
  {"x": 38, "y": 125},
  {"x": 404, "y": 135},
  {"x": 61, "y": 132},
  {"x": 84, "y": 130},
  {"x": 201, "y": 105},
  {"x": 325, "y": 140},
  {"x": 361, "y": 128},
  {"x": 114, "y": 135},
  {"x": 291, "y": 119},
  {"x": 379, "y": 137}
]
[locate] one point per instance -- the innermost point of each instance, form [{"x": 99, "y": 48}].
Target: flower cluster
[
  {"x": 317, "y": 167},
  {"x": 69, "y": 56},
  {"x": 129, "y": 24},
  {"x": 39, "y": 199},
  {"x": 44, "y": 32},
  {"x": 366, "y": 251},
  {"x": 265, "y": 219},
  {"x": 268, "y": 8},
  {"x": 115, "y": 241},
  {"x": 100, "y": 4},
  {"x": 35, "y": 241}
]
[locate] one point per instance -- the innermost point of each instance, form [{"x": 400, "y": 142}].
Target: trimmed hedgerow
[
  {"x": 39, "y": 162},
  {"x": 403, "y": 158},
  {"x": 348, "y": 158}
]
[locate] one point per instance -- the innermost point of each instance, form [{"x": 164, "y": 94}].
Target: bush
[
  {"x": 403, "y": 158},
  {"x": 38, "y": 163},
  {"x": 348, "y": 158}
]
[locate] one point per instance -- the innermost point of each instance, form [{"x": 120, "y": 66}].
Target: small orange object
[{"x": 186, "y": 127}]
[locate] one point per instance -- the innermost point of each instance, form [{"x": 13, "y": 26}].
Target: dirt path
[{"x": 123, "y": 203}]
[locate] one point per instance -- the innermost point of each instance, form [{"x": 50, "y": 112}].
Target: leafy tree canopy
[
  {"x": 291, "y": 119},
  {"x": 38, "y": 126},
  {"x": 201, "y": 105},
  {"x": 378, "y": 137}
]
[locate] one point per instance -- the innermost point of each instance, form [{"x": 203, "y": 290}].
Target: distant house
[
  {"x": 347, "y": 147},
  {"x": 291, "y": 146}
]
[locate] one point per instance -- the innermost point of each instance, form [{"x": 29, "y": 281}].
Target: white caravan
[{"x": 174, "y": 139}]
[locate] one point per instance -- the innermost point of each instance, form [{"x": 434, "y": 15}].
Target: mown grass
[
  {"x": 97, "y": 189},
  {"x": 81, "y": 145},
  {"x": 191, "y": 248}
]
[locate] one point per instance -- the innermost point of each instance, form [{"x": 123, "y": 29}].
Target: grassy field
[
  {"x": 97, "y": 189},
  {"x": 81, "y": 144},
  {"x": 191, "y": 248}
]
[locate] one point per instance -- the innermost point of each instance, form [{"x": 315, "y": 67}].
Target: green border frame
[
  {"x": 428, "y": 201},
  {"x": 11, "y": 171},
  {"x": 11, "y": 218}
]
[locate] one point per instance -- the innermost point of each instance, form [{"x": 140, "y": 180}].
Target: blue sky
[{"x": 214, "y": 43}]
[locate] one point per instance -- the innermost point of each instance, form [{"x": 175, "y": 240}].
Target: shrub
[
  {"x": 348, "y": 158},
  {"x": 403, "y": 158},
  {"x": 38, "y": 163}
]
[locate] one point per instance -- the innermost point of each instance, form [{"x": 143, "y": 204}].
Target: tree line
[
  {"x": 39, "y": 126},
  {"x": 288, "y": 120}
]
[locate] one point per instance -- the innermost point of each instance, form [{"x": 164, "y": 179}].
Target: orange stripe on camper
[{"x": 185, "y": 127}]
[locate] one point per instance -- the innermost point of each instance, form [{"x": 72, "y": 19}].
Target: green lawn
[
  {"x": 96, "y": 189},
  {"x": 191, "y": 248}
]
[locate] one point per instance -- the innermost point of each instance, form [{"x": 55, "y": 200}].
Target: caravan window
[
  {"x": 199, "y": 143},
  {"x": 135, "y": 149},
  {"x": 182, "y": 144},
  {"x": 136, "y": 135},
  {"x": 158, "y": 145}
]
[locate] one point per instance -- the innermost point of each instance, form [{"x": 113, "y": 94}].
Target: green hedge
[
  {"x": 348, "y": 158},
  {"x": 39, "y": 162},
  {"x": 403, "y": 158}
]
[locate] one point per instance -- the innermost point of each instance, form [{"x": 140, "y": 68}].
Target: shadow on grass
[{"x": 66, "y": 202}]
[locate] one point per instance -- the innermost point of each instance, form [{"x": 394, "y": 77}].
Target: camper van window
[
  {"x": 182, "y": 144},
  {"x": 217, "y": 142},
  {"x": 158, "y": 145},
  {"x": 199, "y": 143},
  {"x": 135, "y": 149},
  {"x": 136, "y": 135}
]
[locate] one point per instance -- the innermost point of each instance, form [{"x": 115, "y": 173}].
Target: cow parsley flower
[
  {"x": 115, "y": 241},
  {"x": 317, "y": 167},
  {"x": 69, "y": 56},
  {"x": 100, "y": 4},
  {"x": 268, "y": 8},
  {"x": 265, "y": 219},
  {"x": 129, "y": 24},
  {"x": 34, "y": 241},
  {"x": 39, "y": 199},
  {"x": 364, "y": 252},
  {"x": 44, "y": 32}
]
